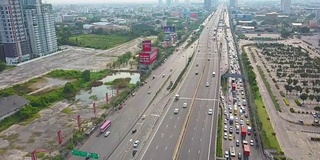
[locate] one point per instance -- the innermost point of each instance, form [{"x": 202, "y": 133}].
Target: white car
[
  {"x": 176, "y": 111},
  {"x": 107, "y": 133},
  {"x": 136, "y": 144},
  {"x": 184, "y": 105},
  {"x": 207, "y": 84},
  {"x": 210, "y": 112},
  {"x": 143, "y": 117},
  {"x": 225, "y": 128},
  {"x": 225, "y": 135},
  {"x": 226, "y": 154},
  {"x": 251, "y": 143}
]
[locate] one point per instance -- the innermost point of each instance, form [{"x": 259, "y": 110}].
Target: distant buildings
[
  {"x": 27, "y": 30},
  {"x": 160, "y": 2},
  {"x": 207, "y": 4},
  {"x": 168, "y": 2},
  {"x": 318, "y": 14},
  {"x": 285, "y": 6},
  {"x": 233, "y": 4}
]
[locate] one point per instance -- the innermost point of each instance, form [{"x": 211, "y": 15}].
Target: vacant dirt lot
[
  {"x": 17, "y": 142},
  {"x": 72, "y": 58}
]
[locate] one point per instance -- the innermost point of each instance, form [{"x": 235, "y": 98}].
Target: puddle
[{"x": 98, "y": 93}]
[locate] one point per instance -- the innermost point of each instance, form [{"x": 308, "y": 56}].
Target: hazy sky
[{"x": 107, "y": 1}]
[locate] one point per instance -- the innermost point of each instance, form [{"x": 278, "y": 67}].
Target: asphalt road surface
[
  {"x": 133, "y": 109},
  {"x": 199, "y": 139},
  {"x": 163, "y": 142}
]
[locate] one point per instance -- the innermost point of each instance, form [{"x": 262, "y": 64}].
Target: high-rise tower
[
  {"x": 13, "y": 32},
  {"x": 285, "y": 6}
]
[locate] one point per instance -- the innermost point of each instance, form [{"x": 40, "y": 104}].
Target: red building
[{"x": 148, "y": 54}]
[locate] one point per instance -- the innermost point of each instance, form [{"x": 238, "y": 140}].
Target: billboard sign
[
  {"x": 169, "y": 29},
  {"x": 144, "y": 58},
  {"x": 194, "y": 15},
  {"x": 146, "y": 45},
  {"x": 154, "y": 55}
]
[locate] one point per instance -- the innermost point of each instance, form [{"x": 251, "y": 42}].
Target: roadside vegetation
[
  {"x": 98, "y": 41},
  {"x": 219, "y": 149},
  {"x": 259, "y": 114}
]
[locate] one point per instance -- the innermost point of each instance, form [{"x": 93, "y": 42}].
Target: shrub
[
  {"x": 302, "y": 112},
  {"x": 292, "y": 110},
  {"x": 277, "y": 86},
  {"x": 317, "y": 108},
  {"x": 307, "y": 112},
  {"x": 268, "y": 118},
  {"x": 282, "y": 94},
  {"x": 297, "y": 102},
  {"x": 298, "y": 111},
  {"x": 286, "y": 102},
  {"x": 268, "y": 70},
  {"x": 274, "y": 80},
  {"x": 273, "y": 133}
]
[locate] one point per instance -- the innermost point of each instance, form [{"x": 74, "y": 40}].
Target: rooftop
[{"x": 11, "y": 103}]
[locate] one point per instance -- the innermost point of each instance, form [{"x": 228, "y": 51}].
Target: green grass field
[
  {"x": 270, "y": 141},
  {"x": 99, "y": 41}
]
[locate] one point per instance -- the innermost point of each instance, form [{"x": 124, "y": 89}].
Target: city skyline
[{"x": 108, "y": 1}]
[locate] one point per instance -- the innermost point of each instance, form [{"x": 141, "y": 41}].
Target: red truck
[
  {"x": 243, "y": 131},
  {"x": 233, "y": 86},
  {"x": 246, "y": 150}
]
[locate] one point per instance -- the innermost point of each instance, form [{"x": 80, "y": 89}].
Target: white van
[{"x": 213, "y": 74}]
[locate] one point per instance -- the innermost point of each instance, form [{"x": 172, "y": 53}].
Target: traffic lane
[
  {"x": 127, "y": 111},
  {"x": 192, "y": 124},
  {"x": 120, "y": 124},
  {"x": 197, "y": 133},
  {"x": 156, "y": 109},
  {"x": 165, "y": 138},
  {"x": 157, "y": 99}
]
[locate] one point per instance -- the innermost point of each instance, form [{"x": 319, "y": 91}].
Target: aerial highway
[
  {"x": 200, "y": 132},
  {"x": 162, "y": 143},
  {"x": 135, "y": 107}
]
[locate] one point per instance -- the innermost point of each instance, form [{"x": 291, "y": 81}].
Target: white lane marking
[
  {"x": 139, "y": 123},
  {"x": 157, "y": 147},
  {"x": 198, "y": 151},
  {"x": 197, "y": 119},
  {"x": 174, "y": 126},
  {"x": 189, "y": 151},
  {"x": 205, "y": 99},
  {"x": 166, "y": 148},
  {"x": 201, "y": 140},
  {"x": 155, "y": 115},
  {"x": 178, "y": 118},
  {"x": 170, "y": 136},
  {"x": 202, "y": 129},
  {"x": 162, "y": 134},
  {"x": 185, "y": 98},
  {"x": 192, "y": 139},
  {"x": 167, "y": 126},
  {"x": 171, "y": 117},
  {"x": 204, "y": 120},
  {"x": 194, "y": 128}
]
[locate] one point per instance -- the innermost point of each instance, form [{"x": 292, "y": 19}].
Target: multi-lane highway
[
  {"x": 199, "y": 139},
  {"x": 135, "y": 107},
  {"x": 193, "y": 91}
]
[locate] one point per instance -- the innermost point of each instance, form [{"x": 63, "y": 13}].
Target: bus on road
[{"x": 105, "y": 126}]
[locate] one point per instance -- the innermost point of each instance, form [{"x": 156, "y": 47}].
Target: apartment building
[
  {"x": 14, "y": 38},
  {"x": 37, "y": 23}
]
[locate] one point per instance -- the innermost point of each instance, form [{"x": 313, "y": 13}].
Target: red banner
[{"x": 59, "y": 139}]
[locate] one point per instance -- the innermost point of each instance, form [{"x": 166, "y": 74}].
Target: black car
[{"x": 134, "y": 131}]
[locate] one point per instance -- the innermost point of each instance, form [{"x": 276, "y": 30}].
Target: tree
[
  {"x": 68, "y": 90},
  {"x": 284, "y": 33},
  {"x": 86, "y": 76},
  {"x": 3, "y": 66},
  {"x": 289, "y": 81},
  {"x": 161, "y": 36},
  {"x": 295, "y": 82},
  {"x": 305, "y": 30},
  {"x": 311, "y": 97},
  {"x": 303, "y": 96}
]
